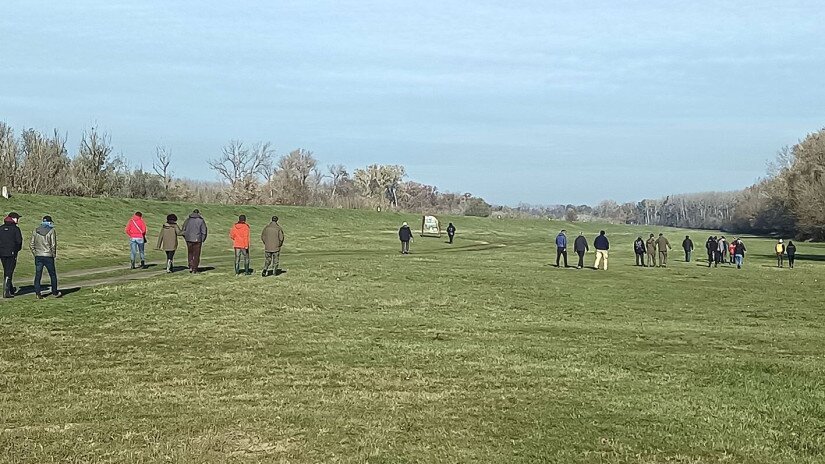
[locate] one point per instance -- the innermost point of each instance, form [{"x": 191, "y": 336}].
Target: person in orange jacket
[{"x": 240, "y": 240}]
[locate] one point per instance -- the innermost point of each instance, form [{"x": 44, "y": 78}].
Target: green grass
[{"x": 475, "y": 352}]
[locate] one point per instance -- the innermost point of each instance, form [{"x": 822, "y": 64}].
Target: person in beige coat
[
  {"x": 168, "y": 239},
  {"x": 273, "y": 238}
]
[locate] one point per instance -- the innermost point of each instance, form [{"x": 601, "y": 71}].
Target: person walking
[
  {"x": 780, "y": 253},
  {"x": 273, "y": 238},
  {"x": 732, "y": 251},
  {"x": 195, "y": 233},
  {"x": 451, "y": 232},
  {"x": 168, "y": 240},
  {"x": 561, "y": 247},
  {"x": 639, "y": 250},
  {"x": 722, "y": 249},
  {"x": 791, "y": 251},
  {"x": 581, "y": 247},
  {"x": 711, "y": 246},
  {"x": 405, "y": 235},
  {"x": 739, "y": 253},
  {"x": 687, "y": 245},
  {"x": 11, "y": 242},
  {"x": 651, "y": 251},
  {"x": 602, "y": 245},
  {"x": 240, "y": 241},
  {"x": 664, "y": 245},
  {"x": 136, "y": 231},
  {"x": 43, "y": 246}
]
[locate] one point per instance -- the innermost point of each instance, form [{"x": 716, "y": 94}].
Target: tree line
[{"x": 40, "y": 163}]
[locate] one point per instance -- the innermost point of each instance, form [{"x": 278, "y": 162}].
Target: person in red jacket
[
  {"x": 136, "y": 231},
  {"x": 240, "y": 241}
]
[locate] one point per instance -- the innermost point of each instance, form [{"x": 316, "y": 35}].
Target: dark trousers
[
  {"x": 451, "y": 237},
  {"x": 791, "y": 259},
  {"x": 559, "y": 253},
  {"x": 581, "y": 258},
  {"x": 170, "y": 255},
  {"x": 9, "y": 264},
  {"x": 272, "y": 259},
  {"x": 688, "y": 254},
  {"x": 711, "y": 257},
  {"x": 193, "y": 250},
  {"x": 241, "y": 257},
  {"x": 39, "y": 263},
  {"x": 640, "y": 259}
]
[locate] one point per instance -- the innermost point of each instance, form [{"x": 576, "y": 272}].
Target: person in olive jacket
[
  {"x": 168, "y": 239},
  {"x": 273, "y": 238},
  {"x": 11, "y": 242},
  {"x": 651, "y": 251}
]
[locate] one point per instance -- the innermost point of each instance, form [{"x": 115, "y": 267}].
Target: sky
[{"x": 542, "y": 102}]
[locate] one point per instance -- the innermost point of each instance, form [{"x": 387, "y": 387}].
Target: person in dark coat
[
  {"x": 405, "y": 235},
  {"x": 687, "y": 245},
  {"x": 194, "y": 232},
  {"x": 712, "y": 247},
  {"x": 739, "y": 253},
  {"x": 791, "y": 251},
  {"x": 602, "y": 245},
  {"x": 581, "y": 247},
  {"x": 11, "y": 242},
  {"x": 639, "y": 249},
  {"x": 561, "y": 247},
  {"x": 451, "y": 232}
]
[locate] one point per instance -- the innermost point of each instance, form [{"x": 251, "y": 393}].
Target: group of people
[
  {"x": 405, "y": 235},
  {"x": 43, "y": 246},
  {"x": 581, "y": 247},
  {"x": 195, "y": 232},
  {"x": 646, "y": 251}
]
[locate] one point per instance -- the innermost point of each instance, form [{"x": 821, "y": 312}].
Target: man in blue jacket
[
  {"x": 601, "y": 244},
  {"x": 561, "y": 247}
]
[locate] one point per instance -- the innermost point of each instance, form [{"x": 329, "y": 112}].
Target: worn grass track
[{"x": 479, "y": 352}]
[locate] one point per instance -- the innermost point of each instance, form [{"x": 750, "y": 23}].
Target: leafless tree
[
  {"x": 242, "y": 168},
  {"x": 338, "y": 174},
  {"x": 161, "y": 166},
  {"x": 9, "y": 157}
]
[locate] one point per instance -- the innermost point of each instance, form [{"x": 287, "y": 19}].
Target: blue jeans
[
  {"x": 739, "y": 259},
  {"x": 39, "y": 263},
  {"x": 138, "y": 246}
]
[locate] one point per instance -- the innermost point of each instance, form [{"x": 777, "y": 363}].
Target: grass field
[{"x": 478, "y": 351}]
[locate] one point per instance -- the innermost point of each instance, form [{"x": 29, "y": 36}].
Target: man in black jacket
[
  {"x": 712, "y": 246},
  {"x": 639, "y": 249},
  {"x": 11, "y": 242},
  {"x": 581, "y": 247},
  {"x": 405, "y": 235},
  {"x": 687, "y": 245}
]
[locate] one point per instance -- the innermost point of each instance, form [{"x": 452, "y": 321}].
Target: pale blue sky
[{"x": 541, "y": 102}]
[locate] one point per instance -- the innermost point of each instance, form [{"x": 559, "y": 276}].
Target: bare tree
[
  {"x": 338, "y": 174},
  {"x": 9, "y": 156},
  {"x": 242, "y": 168},
  {"x": 163, "y": 159},
  {"x": 44, "y": 164},
  {"x": 94, "y": 167}
]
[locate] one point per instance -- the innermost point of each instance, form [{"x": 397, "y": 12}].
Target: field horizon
[{"x": 479, "y": 351}]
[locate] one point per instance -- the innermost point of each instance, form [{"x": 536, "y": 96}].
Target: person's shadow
[{"x": 45, "y": 290}]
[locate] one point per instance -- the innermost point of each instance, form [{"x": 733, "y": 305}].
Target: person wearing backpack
[
  {"x": 136, "y": 231},
  {"x": 780, "y": 253}
]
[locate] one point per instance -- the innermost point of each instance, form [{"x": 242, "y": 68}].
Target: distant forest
[{"x": 789, "y": 201}]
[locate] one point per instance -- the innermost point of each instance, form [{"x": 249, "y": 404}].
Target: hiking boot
[
  {"x": 57, "y": 295},
  {"x": 272, "y": 273},
  {"x": 7, "y": 295},
  {"x": 263, "y": 273},
  {"x": 143, "y": 264},
  {"x": 133, "y": 265},
  {"x": 39, "y": 296}
]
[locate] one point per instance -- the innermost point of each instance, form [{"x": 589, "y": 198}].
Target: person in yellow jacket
[{"x": 780, "y": 253}]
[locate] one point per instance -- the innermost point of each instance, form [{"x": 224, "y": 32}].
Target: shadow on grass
[{"x": 45, "y": 290}]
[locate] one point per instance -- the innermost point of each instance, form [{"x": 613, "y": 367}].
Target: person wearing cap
[
  {"x": 273, "y": 238},
  {"x": 168, "y": 240},
  {"x": 194, "y": 232},
  {"x": 664, "y": 245},
  {"x": 405, "y": 235},
  {"x": 11, "y": 242},
  {"x": 780, "y": 253},
  {"x": 43, "y": 246},
  {"x": 240, "y": 241},
  {"x": 650, "y": 247},
  {"x": 136, "y": 231}
]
